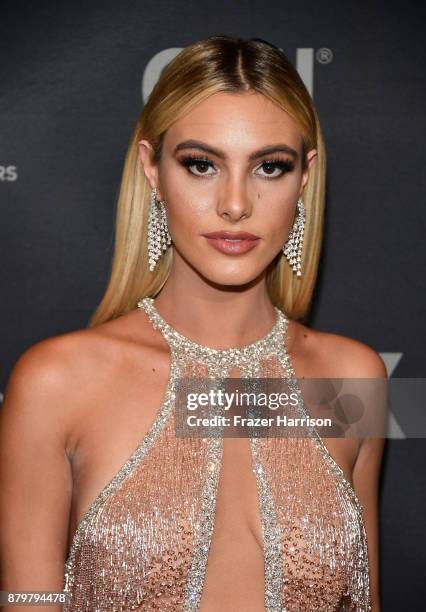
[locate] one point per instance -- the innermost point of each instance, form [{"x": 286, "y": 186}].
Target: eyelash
[{"x": 284, "y": 165}]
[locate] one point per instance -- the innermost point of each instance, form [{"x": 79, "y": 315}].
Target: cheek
[
  {"x": 187, "y": 209},
  {"x": 187, "y": 216},
  {"x": 278, "y": 217}
]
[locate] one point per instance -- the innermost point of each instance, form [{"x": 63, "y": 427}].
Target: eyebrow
[{"x": 201, "y": 146}]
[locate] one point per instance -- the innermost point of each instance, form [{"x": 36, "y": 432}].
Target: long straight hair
[{"x": 212, "y": 65}]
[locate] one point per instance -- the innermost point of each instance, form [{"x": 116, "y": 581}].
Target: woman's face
[{"x": 214, "y": 177}]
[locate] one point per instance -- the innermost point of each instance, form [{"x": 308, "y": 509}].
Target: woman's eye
[
  {"x": 199, "y": 163},
  {"x": 270, "y": 167}
]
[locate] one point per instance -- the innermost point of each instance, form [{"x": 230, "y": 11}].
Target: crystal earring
[
  {"x": 158, "y": 232},
  {"x": 292, "y": 249}
]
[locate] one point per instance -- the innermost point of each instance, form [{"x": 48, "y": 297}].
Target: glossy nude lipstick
[{"x": 232, "y": 243}]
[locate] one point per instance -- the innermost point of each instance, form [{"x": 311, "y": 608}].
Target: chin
[
  {"x": 232, "y": 275},
  {"x": 226, "y": 270}
]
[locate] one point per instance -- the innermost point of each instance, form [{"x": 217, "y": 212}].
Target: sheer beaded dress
[{"x": 144, "y": 542}]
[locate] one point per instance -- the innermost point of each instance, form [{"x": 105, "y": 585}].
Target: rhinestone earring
[
  {"x": 158, "y": 232},
  {"x": 292, "y": 249}
]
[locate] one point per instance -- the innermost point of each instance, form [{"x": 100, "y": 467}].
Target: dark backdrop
[{"x": 72, "y": 79}]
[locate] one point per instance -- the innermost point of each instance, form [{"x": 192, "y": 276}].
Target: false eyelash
[
  {"x": 284, "y": 165},
  {"x": 190, "y": 160}
]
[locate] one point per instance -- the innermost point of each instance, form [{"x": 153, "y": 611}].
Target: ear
[
  {"x": 146, "y": 153},
  {"x": 311, "y": 156}
]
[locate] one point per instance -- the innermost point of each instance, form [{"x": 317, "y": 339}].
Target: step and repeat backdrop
[{"x": 74, "y": 78}]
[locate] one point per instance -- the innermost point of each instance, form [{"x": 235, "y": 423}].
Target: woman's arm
[
  {"x": 35, "y": 474},
  {"x": 366, "y": 484},
  {"x": 347, "y": 358},
  {"x": 366, "y": 472}
]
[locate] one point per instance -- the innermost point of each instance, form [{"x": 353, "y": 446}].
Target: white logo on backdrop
[
  {"x": 304, "y": 66},
  {"x": 324, "y": 55},
  {"x": 8, "y": 173}
]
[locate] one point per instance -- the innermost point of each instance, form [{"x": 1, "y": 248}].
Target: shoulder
[
  {"x": 53, "y": 380},
  {"x": 53, "y": 361},
  {"x": 329, "y": 355},
  {"x": 43, "y": 385}
]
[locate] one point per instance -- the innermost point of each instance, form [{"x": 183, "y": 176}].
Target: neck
[{"x": 217, "y": 316}]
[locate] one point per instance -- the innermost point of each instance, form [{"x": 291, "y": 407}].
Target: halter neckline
[{"x": 248, "y": 351}]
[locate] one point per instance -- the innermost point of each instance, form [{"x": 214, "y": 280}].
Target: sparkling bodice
[{"x": 144, "y": 542}]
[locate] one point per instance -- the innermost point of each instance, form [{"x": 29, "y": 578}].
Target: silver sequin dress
[{"x": 143, "y": 544}]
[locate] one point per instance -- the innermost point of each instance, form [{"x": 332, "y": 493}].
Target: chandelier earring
[
  {"x": 292, "y": 249},
  {"x": 158, "y": 232}
]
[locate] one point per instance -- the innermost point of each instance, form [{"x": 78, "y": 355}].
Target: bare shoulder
[
  {"x": 328, "y": 355},
  {"x": 54, "y": 379},
  {"x": 52, "y": 362}
]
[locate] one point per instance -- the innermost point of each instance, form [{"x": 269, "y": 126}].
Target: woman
[{"x": 218, "y": 239}]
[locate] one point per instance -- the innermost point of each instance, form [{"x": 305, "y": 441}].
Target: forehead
[{"x": 247, "y": 119}]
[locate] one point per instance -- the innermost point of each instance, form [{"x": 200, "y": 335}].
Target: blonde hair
[{"x": 212, "y": 65}]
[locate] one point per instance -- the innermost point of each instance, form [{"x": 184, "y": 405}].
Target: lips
[
  {"x": 232, "y": 235},
  {"x": 232, "y": 243}
]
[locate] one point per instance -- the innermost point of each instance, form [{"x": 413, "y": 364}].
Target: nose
[{"x": 234, "y": 202}]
